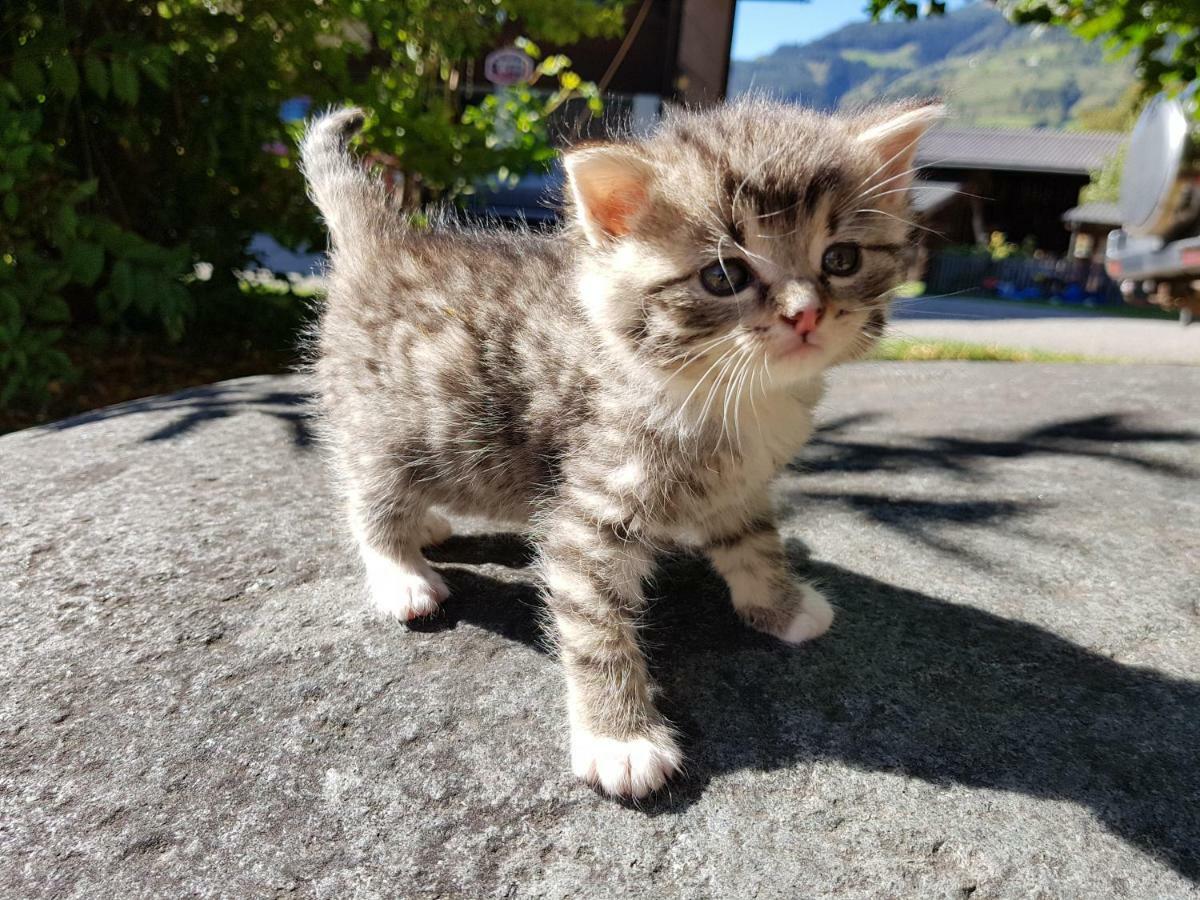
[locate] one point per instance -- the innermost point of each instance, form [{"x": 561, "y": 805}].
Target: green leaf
[
  {"x": 146, "y": 291},
  {"x": 1101, "y": 24},
  {"x": 83, "y": 190},
  {"x": 10, "y": 308},
  {"x": 18, "y": 159},
  {"x": 64, "y": 75},
  {"x": 65, "y": 225},
  {"x": 106, "y": 305},
  {"x": 27, "y": 75},
  {"x": 59, "y": 362},
  {"x": 154, "y": 67},
  {"x": 120, "y": 282},
  {"x": 86, "y": 261},
  {"x": 12, "y": 205},
  {"x": 125, "y": 81},
  {"x": 175, "y": 302},
  {"x": 96, "y": 76},
  {"x": 51, "y": 309}
]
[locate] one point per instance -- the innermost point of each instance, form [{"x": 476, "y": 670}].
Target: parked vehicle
[{"x": 1156, "y": 252}]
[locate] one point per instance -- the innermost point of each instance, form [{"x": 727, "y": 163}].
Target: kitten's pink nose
[{"x": 808, "y": 318}]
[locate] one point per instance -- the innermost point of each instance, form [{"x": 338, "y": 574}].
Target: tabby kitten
[{"x": 630, "y": 382}]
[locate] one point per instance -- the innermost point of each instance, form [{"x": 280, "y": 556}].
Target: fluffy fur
[{"x": 587, "y": 383}]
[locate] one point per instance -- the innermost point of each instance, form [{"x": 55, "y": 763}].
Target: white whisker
[{"x": 910, "y": 224}]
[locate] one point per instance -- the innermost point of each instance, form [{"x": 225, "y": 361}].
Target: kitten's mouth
[{"x": 803, "y": 330}]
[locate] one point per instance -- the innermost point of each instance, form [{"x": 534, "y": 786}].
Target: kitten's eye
[
  {"x": 841, "y": 259},
  {"x": 726, "y": 278}
]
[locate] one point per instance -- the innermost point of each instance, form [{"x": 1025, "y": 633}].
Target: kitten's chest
[
  {"x": 731, "y": 474},
  {"x": 750, "y": 460}
]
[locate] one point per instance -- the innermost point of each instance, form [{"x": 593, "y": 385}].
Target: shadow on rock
[
  {"x": 905, "y": 683},
  {"x": 1113, "y": 437},
  {"x": 938, "y": 524},
  {"x": 199, "y": 406}
]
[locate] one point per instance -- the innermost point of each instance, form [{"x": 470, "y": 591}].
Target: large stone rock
[{"x": 195, "y": 702}]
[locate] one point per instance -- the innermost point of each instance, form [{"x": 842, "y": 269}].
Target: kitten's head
[{"x": 753, "y": 235}]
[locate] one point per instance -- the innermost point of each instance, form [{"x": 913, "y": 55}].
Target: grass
[{"x": 916, "y": 349}]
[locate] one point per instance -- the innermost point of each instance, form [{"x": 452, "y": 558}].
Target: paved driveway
[
  {"x": 193, "y": 701},
  {"x": 1061, "y": 329}
]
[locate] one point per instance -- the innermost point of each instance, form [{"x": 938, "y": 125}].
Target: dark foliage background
[{"x": 138, "y": 139}]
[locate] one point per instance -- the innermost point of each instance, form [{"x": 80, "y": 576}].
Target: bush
[{"x": 139, "y": 138}]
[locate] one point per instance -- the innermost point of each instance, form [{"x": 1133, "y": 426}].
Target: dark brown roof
[{"x": 1023, "y": 150}]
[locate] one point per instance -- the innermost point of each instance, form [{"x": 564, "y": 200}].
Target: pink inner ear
[
  {"x": 895, "y": 145},
  {"x": 611, "y": 190},
  {"x": 616, "y": 211},
  {"x": 896, "y": 153}
]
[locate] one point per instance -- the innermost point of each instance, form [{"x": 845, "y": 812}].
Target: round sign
[{"x": 508, "y": 65}]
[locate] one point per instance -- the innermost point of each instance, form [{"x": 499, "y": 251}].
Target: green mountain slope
[{"x": 992, "y": 73}]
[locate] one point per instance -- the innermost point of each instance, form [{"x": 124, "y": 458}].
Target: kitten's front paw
[
  {"x": 629, "y": 768},
  {"x": 794, "y": 623},
  {"x": 813, "y": 619},
  {"x": 407, "y": 594}
]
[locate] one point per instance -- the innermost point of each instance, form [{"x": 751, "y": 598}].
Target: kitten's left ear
[
  {"x": 611, "y": 189},
  {"x": 894, "y": 142}
]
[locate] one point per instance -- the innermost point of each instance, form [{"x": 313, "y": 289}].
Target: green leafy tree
[
  {"x": 138, "y": 137},
  {"x": 1105, "y": 183}
]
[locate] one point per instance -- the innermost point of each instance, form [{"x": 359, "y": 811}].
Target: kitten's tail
[{"x": 352, "y": 200}]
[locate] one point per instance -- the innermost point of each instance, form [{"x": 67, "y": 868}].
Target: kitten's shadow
[{"x": 905, "y": 683}]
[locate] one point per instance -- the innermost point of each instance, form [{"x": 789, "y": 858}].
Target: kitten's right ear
[
  {"x": 894, "y": 140},
  {"x": 611, "y": 189}
]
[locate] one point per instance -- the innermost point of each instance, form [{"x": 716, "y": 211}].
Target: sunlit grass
[
  {"x": 910, "y": 289},
  {"x": 919, "y": 350}
]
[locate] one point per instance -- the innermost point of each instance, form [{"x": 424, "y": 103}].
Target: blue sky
[{"x": 762, "y": 25}]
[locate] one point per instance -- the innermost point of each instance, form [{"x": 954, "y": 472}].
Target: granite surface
[{"x": 194, "y": 700}]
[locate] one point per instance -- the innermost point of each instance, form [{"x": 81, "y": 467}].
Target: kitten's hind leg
[
  {"x": 751, "y": 559},
  {"x": 401, "y": 583}
]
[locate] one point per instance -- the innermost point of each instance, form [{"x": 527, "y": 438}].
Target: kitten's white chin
[
  {"x": 624, "y": 768},
  {"x": 797, "y": 357},
  {"x": 803, "y": 365}
]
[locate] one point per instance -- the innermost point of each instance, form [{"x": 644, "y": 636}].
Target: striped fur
[{"x": 583, "y": 382}]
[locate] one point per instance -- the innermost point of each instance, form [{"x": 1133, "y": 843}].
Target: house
[{"x": 1018, "y": 182}]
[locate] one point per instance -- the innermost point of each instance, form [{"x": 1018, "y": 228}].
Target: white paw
[
  {"x": 403, "y": 592},
  {"x": 436, "y": 529},
  {"x": 813, "y": 620},
  {"x": 631, "y": 768}
]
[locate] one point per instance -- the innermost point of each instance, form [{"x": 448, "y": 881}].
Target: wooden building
[{"x": 1018, "y": 182}]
